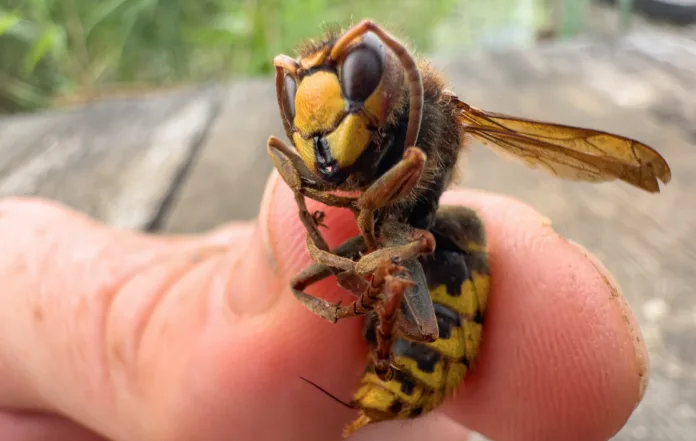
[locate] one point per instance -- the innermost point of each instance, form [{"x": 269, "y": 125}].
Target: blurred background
[
  {"x": 154, "y": 115},
  {"x": 57, "y": 52}
]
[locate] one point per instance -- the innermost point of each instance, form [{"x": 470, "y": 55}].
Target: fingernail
[{"x": 640, "y": 350}]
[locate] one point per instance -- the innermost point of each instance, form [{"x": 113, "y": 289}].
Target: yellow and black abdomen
[{"x": 458, "y": 278}]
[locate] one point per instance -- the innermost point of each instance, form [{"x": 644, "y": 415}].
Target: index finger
[{"x": 562, "y": 355}]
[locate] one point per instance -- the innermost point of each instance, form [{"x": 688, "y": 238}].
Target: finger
[
  {"x": 141, "y": 337},
  {"x": 26, "y": 426},
  {"x": 562, "y": 354},
  {"x": 199, "y": 328},
  {"x": 246, "y": 365},
  {"x": 542, "y": 312},
  {"x": 274, "y": 340},
  {"x": 270, "y": 340},
  {"x": 435, "y": 426},
  {"x": 61, "y": 275}
]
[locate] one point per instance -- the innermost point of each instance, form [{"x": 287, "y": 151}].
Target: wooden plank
[
  {"x": 228, "y": 177},
  {"x": 115, "y": 160}
]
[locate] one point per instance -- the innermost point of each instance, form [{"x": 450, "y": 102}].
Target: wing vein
[{"x": 566, "y": 151}]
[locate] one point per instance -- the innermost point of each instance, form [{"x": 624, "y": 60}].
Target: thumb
[
  {"x": 144, "y": 337},
  {"x": 61, "y": 305}
]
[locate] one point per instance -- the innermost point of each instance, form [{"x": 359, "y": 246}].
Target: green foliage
[{"x": 50, "y": 47}]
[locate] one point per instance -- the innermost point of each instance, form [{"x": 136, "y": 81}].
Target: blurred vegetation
[
  {"x": 62, "y": 51},
  {"x": 82, "y": 48}
]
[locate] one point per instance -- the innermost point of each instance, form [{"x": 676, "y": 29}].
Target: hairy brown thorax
[{"x": 441, "y": 138}]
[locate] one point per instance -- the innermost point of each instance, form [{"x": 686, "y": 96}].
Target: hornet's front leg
[
  {"x": 340, "y": 262},
  {"x": 293, "y": 171},
  {"x": 396, "y": 183},
  {"x": 303, "y": 183},
  {"x": 298, "y": 177}
]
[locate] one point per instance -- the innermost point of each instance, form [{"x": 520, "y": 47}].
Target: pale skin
[{"x": 111, "y": 335}]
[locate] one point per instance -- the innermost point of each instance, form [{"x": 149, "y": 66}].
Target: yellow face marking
[
  {"x": 348, "y": 141},
  {"x": 306, "y": 150},
  {"x": 318, "y": 104}
]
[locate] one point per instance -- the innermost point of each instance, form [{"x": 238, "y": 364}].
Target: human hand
[{"x": 111, "y": 334}]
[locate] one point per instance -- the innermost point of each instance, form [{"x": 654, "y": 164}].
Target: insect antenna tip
[{"x": 335, "y": 398}]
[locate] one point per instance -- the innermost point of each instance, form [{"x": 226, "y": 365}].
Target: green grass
[
  {"x": 58, "y": 48},
  {"x": 52, "y": 51}
]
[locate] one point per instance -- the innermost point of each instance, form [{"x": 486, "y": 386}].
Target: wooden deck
[{"x": 191, "y": 160}]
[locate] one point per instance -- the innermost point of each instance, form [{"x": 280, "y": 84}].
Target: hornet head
[{"x": 339, "y": 95}]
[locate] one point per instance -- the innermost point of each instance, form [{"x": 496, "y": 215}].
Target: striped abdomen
[{"x": 458, "y": 279}]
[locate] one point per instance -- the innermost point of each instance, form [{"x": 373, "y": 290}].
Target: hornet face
[{"x": 334, "y": 104}]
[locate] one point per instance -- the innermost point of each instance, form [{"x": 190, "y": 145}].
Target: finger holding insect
[
  {"x": 553, "y": 315},
  {"x": 300, "y": 180},
  {"x": 227, "y": 326},
  {"x": 334, "y": 141},
  {"x": 549, "y": 290},
  {"x": 432, "y": 426},
  {"x": 205, "y": 323}
]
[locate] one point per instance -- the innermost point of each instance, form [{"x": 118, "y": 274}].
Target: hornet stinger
[{"x": 367, "y": 119}]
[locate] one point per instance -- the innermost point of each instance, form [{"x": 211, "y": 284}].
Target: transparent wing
[{"x": 565, "y": 151}]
